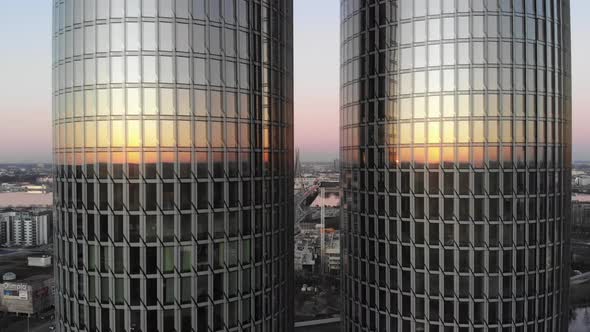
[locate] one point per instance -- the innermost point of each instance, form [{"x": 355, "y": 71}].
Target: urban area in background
[{"x": 27, "y": 293}]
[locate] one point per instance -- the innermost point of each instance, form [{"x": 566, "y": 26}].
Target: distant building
[
  {"x": 39, "y": 261},
  {"x": 333, "y": 257},
  {"x": 304, "y": 259},
  {"x": 25, "y": 229},
  {"x": 25, "y": 199},
  {"x": 35, "y": 189},
  {"x": 583, "y": 180},
  {"x": 581, "y": 210},
  {"x": 30, "y": 296}
]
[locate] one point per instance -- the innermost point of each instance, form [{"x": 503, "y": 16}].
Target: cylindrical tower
[
  {"x": 173, "y": 155},
  {"x": 456, "y": 159}
]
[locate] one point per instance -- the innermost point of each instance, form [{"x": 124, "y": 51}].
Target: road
[{"x": 13, "y": 324}]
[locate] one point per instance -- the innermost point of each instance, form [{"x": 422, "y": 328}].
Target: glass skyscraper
[
  {"x": 173, "y": 157},
  {"x": 456, "y": 159}
]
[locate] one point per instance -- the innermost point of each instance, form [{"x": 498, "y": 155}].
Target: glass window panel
[
  {"x": 150, "y": 133},
  {"x": 464, "y": 79},
  {"x": 79, "y": 134},
  {"x": 200, "y": 103},
  {"x": 406, "y": 58},
  {"x": 166, "y": 8},
  {"x": 493, "y": 105},
  {"x": 448, "y": 54},
  {"x": 434, "y": 55},
  {"x": 199, "y": 39},
  {"x": 448, "y": 80},
  {"x": 406, "y": 9},
  {"x": 434, "y": 132},
  {"x": 90, "y": 132},
  {"x": 103, "y": 134},
  {"x": 230, "y": 43},
  {"x": 133, "y": 133},
  {"x": 419, "y": 31},
  {"x": 448, "y": 132},
  {"x": 166, "y": 36},
  {"x": 166, "y": 69},
  {"x": 406, "y": 83},
  {"x": 89, "y": 36},
  {"x": 419, "y": 56},
  {"x": 149, "y": 8},
  {"x": 90, "y": 101},
  {"x": 117, "y": 70},
  {"x": 184, "y": 134},
  {"x": 463, "y": 53},
  {"x": 492, "y": 26},
  {"x": 149, "y": 69},
  {"x": 118, "y": 133},
  {"x": 102, "y": 71},
  {"x": 405, "y": 133},
  {"x": 463, "y": 28},
  {"x": 182, "y": 70},
  {"x": 478, "y": 26},
  {"x": 133, "y": 69},
  {"x": 183, "y": 101},
  {"x": 434, "y": 29},
  {"x": 117, "y": 37},
  {"x": 89, "y": 71},
  {"x": 434, "y": 7},
  {"x": 102, "y": 38},
  {"x": 434, "y": 106},
  {"x": 200, "y": 76},
  {"x": 149, "y": 36},
  {"x": 419, "y": 82},
  {"x": 463, "y": 134},
  {"x": 434, "y": 80},
  {"x": 419, "y": 108},
  {"x": 201, "y": 139},
  {"x": 406, "y": 33},
  {"x": 167, "y": 102},
  {"x": 133, "y": 101},
  {"x": 448, "y": 106},
  {"x": 506, "y": 131},
  {"x": 463, "y": 105},
  {"x": 215, "y": 40},
  {"x": 448, "y": 27},
  {"x": 419, "y": 134},
  {"x": 118, "y": 101},
  {"x": 133, "y": 7},
  {"x": 217, "y": 134},
  {"x": 150, "y": 101},
  {"x": 103, "y": 102},
  {"x": 167, "y": 135}
]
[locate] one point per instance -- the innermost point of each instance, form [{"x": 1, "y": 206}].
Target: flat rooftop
[
  {"x": 15, "y": 261},
  {"x": 23, "y": 199},
  {"x": 582, "y": 198}
]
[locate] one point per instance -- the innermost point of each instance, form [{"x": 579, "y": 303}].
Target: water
[{"x": 580, "y": 320}]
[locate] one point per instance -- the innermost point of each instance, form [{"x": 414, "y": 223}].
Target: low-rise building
[
  {"x": 304, "y": 259},
  {"x": 25, "y": 228},
  {"x": 39, "y": 261},
  {"x": 30, "y": 296},
  {"x": 581, "y": 210}
]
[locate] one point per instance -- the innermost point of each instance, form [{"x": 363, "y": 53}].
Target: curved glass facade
[
  {"x": 455, "y": 142},
  {"x": 173, "y": 162}
]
